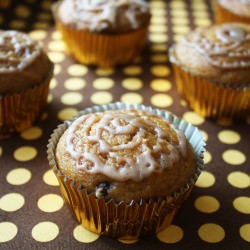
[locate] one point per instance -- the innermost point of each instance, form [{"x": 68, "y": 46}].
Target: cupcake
[
  {"x": 125, "y": 170},
  {"x": 25, "y": 73},
  {"x": 104, "y": 32},
  {"x": 232, "y": 11},
  {"x": 212, "y": 67}
]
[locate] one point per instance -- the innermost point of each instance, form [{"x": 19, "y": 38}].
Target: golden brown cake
[
  {"x": 105, "y": 32},
  {"x": 128, "y": 161},
  {"x": 25, "y": 72},
  {"x": 212, "y": 70},
  {"x": 232, "y": 11}
]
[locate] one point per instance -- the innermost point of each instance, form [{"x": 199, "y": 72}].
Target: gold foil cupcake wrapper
[
  {"x": 19, "y": 110},
  {"x": 104, "y": 50},
  {"x": 122, "y": 220},
  {"x": 212, "y": 100}
]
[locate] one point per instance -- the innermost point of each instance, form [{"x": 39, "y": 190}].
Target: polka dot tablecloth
[{"x": 32, "y": 212}]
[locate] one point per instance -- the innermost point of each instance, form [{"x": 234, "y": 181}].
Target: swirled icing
[
  {"x": 80, "y": 144},
  {"x": 17, "y": 51},
  {"x": 225, "y": 46},
  {"x": 99, "y": 15}
]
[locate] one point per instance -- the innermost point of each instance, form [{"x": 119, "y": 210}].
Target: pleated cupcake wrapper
[
  {"x": 19, "y": 110},
  {"x": 104, "y": 50},
  {"x": 122, "y": 220},
  {"x": 212, "y": 100},
  {"x": 224, "y": 16}
]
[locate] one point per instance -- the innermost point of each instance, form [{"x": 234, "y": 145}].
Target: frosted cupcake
[
  {"x": 25, "y": 73},
  {"x": 232, "y": 11},
  {"x": 104, "y": 32},
  {"x": 212, "y": 67},
  {"x": 125, "y": 170}
]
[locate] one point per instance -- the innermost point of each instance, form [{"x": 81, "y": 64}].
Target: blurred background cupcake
[
  {"x": 25, "y": 73},
  {"x": 125, "y": 170},
  {"x": 232, "y": 11},
  {"x": 212, "y": 67},
  {"x": 105, "y": 32}
]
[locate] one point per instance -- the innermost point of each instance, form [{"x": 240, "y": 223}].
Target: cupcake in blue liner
[{"x": 125, "y": 170}]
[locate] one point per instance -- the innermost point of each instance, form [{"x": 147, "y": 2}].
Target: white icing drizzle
[
  {"x": 122, "y": 123},
  {"x": 17, "y": 51},
  {"x": 229, "y": 49},
  {"x": 98, "y": 15}
]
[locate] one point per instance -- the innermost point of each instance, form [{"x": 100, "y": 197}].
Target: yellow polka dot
[
  {"x": 45, "y": 231},
  {"x": 8, "y": 231},
  {"x": 132, "y": 83},
  {"x": 180, "y": 21},
  {"x": 71, "y": 98},
  {"x": 49, "y": 98},
  {"x": 207, "y": 204},
  {"x": 1, "y": 151},
  {"x": 205, "y": 180},
  {"x": 67, "y": 113},
  {"x": 242, "y": 204},
  {"x": 83, "y": 235},
  {"x": 211, "y": 233},
  {"x": 132, "y": 70},
  {"x": 46, "y": 4},
  {"x": 239, "y": 179},
  {"x": 38, "y": 34},
  {"x": 17, "y": 24},
  {"x": 158, "y": 28},
  {"x": 104, "y": 72},
  {"x": 229, "y": 136},
  {"x": 53, "y": 83},
  {"x": 233, "y": 157},
  {"x": 103, "y": 83},
  {"x": 159, "y": 58},
  {"x": 50, "y": 203},
  {"x": 132, "y": 241},
  {"x": 207, "y": 157},
  {"x": 32, "y": 133},
  {"x": 161, "y": 85},
  {"x": 158, "y": 11},
  {"x": 171, "y": 234},
  {"x": 50, "y": 178},
  {"x": 158, "y": 20},
  {"x": 22, "y": 11},
  {"x": 161, "y": 100},
  {"x": 11, "y": 202},
  {"x": 157, "y": 4},
  {"x": 245, "y": 232},
  {"x": 56, "y": 57},
  {"x": 177, "y": 4},
  {"x": 158, "y": 37},
  {"x": 56, "y": 45},
  {"x": 204, "y": 134},
  {"x": 200, "y": 14},
  {"x": 57, "y": 69},
  {"x": 159, "y": 47},
  {"x": 101, "y": 97},
  {"x": 181, "y": 29},
  {"x": 25, "y": 153},
  {"x": 160, "y": 70},
  {"x": 18, "y": 176},
  {"x": 177, "y": 37},
  {"x": 44, "y": 16},
  {"x": 77, "y": 70},
  {"x": 199, "y": 6},
  {"x": 132, "y": 98},
  {"x": 179, "y": 12},
  {"x": 193, "y": 118},
  {"x": 56, "y": 35},
  {"x": 74, "y": 83},
  {"x": 202, "y": 22}
]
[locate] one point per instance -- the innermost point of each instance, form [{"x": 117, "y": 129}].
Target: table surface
[{"x": 32, "y": 212}]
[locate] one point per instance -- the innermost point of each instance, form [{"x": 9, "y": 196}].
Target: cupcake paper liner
[
  {"x": 123, "y": 220},
  {"x": 19, "y": 110},
  {"x": 104, "y": 50},
  {"x": 225, "y": 16},
  {"x": 210, "y": 99}
]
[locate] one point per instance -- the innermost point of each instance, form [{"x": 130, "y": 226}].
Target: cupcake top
[
  {"x": 220, "y": 53},
  {"x": 238, "y": 7},
  {"x": 108, "y": 16},
  {"x": 22, "y": 62},
  {"x": 128, "y": 153}
]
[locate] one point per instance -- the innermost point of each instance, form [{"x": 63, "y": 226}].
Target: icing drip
[
  {"x": 90, "y": 132},
  {"x": 17, "y": 51},
  {"x": 99, "y": 15},
  {"x": 227, "y": 47}
]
